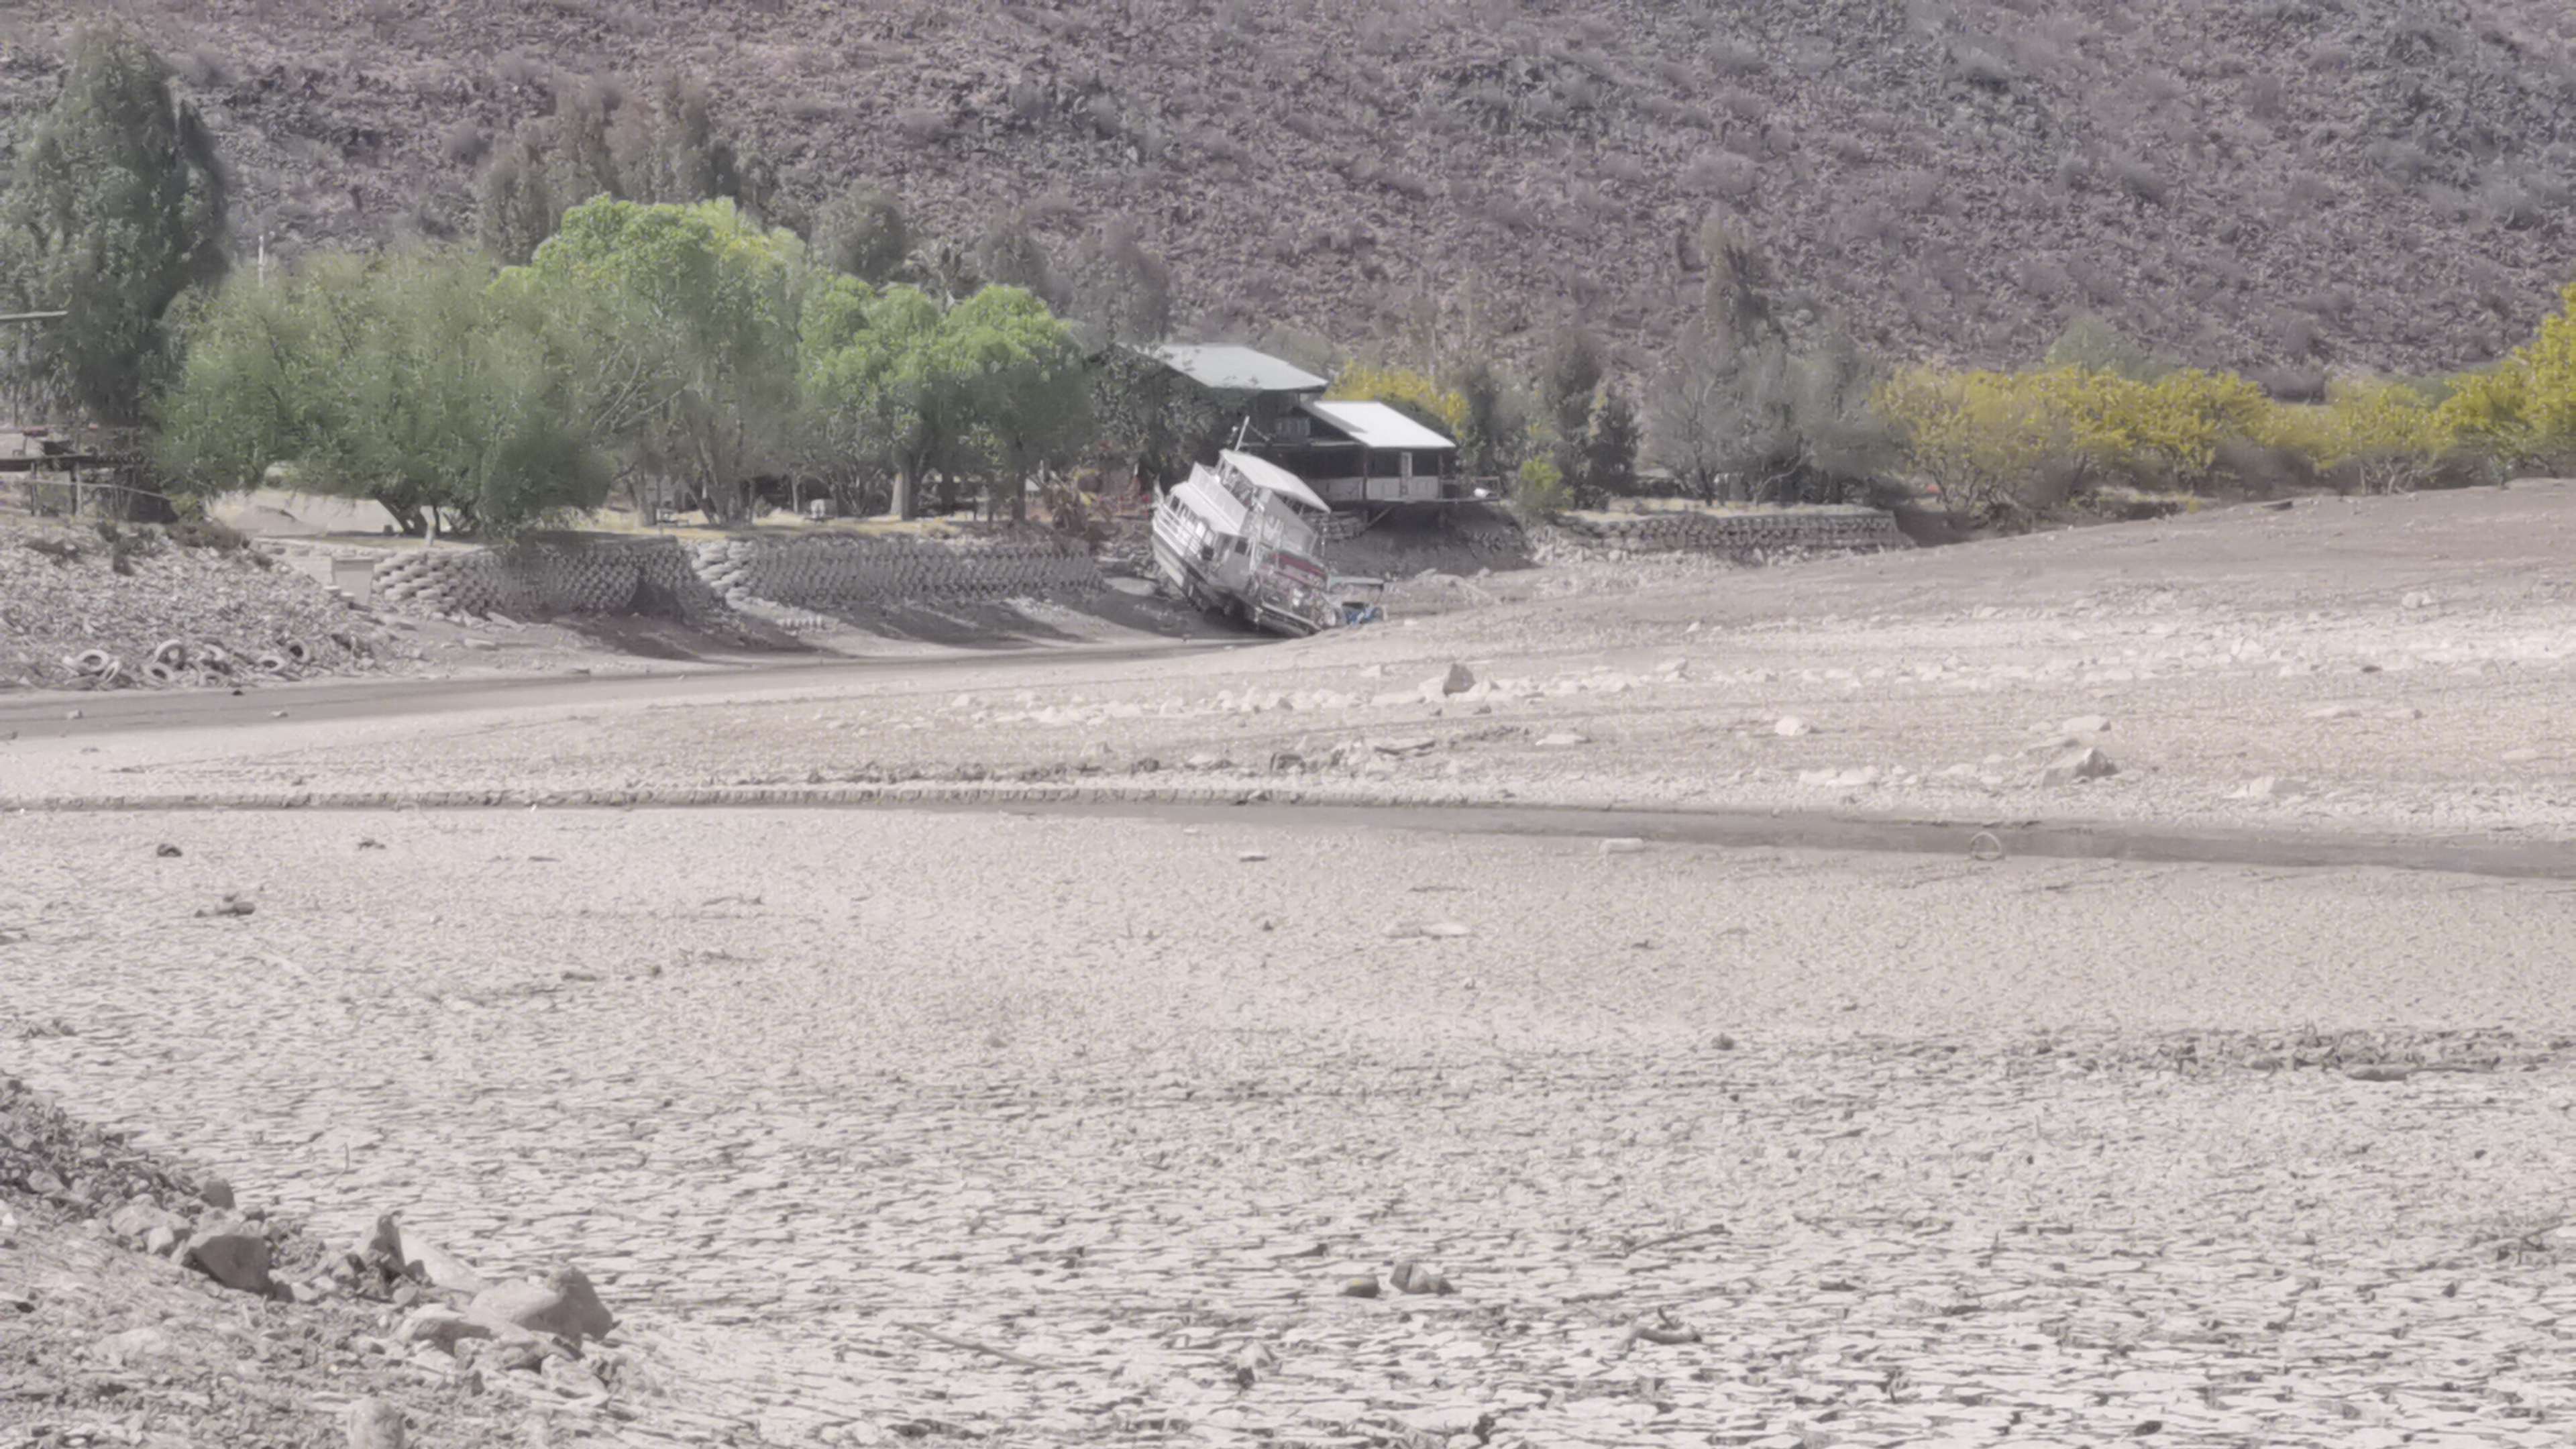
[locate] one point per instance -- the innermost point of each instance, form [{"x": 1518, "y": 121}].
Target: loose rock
[
  {"x": 234, "y": 1255},
  {"x": 136, "y": 1346},
  {"x": 441, "y": 1327},
  {"x": 2075, "y": 765},
  {"x": 1790, "y": 727},
  {"x": 1413, "y": 1277},
  {"x": 564, "y": 1304}
]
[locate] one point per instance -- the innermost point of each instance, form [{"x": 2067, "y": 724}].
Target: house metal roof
[
  {"x": 1375, "y": 425},
  {"x": 1220, "y": 365}
]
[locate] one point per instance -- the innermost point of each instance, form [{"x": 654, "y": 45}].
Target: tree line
[
  {"x": 632, "y": 313},
  {"x": 645, "y": 307}
]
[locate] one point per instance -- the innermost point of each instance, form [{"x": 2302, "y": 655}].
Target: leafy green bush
[
  {"x": 1539, "y": 488},
  {"x": 393, "y": 378}
]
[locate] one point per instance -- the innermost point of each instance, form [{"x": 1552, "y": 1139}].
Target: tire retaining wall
[
  {"x": 783, "y": 580},
  {"x": 646, "y": 576},
  {"x": 1743, "y": 534},
  {"x": 857, "y": 571}
]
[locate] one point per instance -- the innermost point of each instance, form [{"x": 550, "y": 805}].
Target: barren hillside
[{"x": 2292, "y": 183}]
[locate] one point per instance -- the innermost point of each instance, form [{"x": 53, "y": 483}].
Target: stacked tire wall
[
  {"x": 1744, "y": 534},
  {"x": 855, "y": 571},
  {"x": 699, "y": 580},
  {"x": 650, "y": 576}
]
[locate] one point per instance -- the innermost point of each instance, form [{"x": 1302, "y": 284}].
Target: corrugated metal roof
[
  {"x": 1375, "y": 425},
  {"x": 1221, "y": 365},
  {"x": 1262, "y": 473}
]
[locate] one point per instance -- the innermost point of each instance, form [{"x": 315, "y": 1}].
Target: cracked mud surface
[{"x": 2036, "y": 1152}]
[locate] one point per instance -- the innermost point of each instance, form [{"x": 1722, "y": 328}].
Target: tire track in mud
[{"x": 2075, "y": 839}]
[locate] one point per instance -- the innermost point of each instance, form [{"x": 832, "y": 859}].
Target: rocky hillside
[{"x": 2297, "y": 184}]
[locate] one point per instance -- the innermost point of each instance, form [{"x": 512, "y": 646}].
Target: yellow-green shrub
[
  {"x": 1988, "y": 440},
  {"x": 2522, "y": 411},
  {"x": 2389, "y": 436},
  {"x": 1406, "y": 389}
]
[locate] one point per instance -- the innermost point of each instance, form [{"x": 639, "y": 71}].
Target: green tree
[
  {"x": 115, "y": 207},
  {"x": 1022, "y": 382},
  {"x": 873, "y": 377},
  {"x": 1610, "y": 444},
  {"x": 1569, "y": 388},
  {"x": 392, "y": 378},
  {"x": 995, "y": 382},
  {"x": 676, "y": 329},
  {"x": 1493, "y": 426}
]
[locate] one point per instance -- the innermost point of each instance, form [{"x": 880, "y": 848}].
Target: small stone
[
  {"x": 1413, "y": 1277},
  {"x": 2378, "y": 1072},
  {"x": 166, "y": 851},
  {"x": 571, "y": 1377},
  {"x": 234, "y": 1255},
  {"x": 2332, "y": 711},
  {"x": 2417, "y": 600},
  {"x": 441, "y": 1327},
  {"x": 1361, "y": 1287},
  {"x": 2085, "y": 724},
  {"x": 375, "y": 1424},
  {"x": 1405, "y": 745},
  {"x": 1458, "y": 680},
  {"x": 564, "y": 1304},
  {"x": 1790, "y": 727},
  {"x": 72, "y": 714},
  {"x": 1205, "y": 760},
  {"x": 161, "y": 1241},
  {"x": 136, "y": 1346},
  {"x": 1562, "y": 740},
  {"x": 1446, "y": 930},
  {"x": 2269, "y": 787},
  {"x": 1674, "y": 669},
  {"x": 433, "y": 1265},
  {"x": 1252, "y": 857},
  {"x": 1623, "y": 845},
  {"x": 136, "y": 1221},
  {"x": 2075, "y": 765},
  {"x": 2519, "y": 757}
]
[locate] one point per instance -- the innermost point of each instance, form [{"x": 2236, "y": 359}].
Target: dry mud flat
[{"x": 1034, "y": 1130}]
